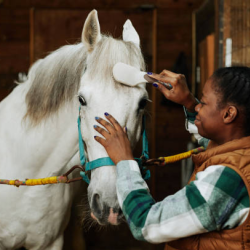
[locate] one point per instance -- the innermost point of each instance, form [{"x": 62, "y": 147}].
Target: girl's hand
[
  {"x": 179, "y": 93},
  {"x": 116, "y": 141}
]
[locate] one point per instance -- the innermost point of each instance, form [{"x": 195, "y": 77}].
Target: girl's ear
[{"x": 230, "y": 114}]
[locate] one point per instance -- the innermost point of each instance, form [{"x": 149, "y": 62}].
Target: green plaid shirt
[{"x": 216, "y": 200}]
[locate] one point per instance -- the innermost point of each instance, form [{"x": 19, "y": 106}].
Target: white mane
[{"x": 54, "y": 80}]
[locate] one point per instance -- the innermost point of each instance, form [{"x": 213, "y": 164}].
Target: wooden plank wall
[
  {"x": 236, "y": 27},
  {"x": 14, "y": 46},
  {"x": 172, "y": 50},
  {"x": 205, "y": 44}
]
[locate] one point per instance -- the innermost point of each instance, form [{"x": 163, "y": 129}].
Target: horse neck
[
  {"x": 44, "y": 149},
  {"x": 61, "y": 142}
]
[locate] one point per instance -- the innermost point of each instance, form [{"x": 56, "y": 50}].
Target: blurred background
[{"x": 192, "y": 37}]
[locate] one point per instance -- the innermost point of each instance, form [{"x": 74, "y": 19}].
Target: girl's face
[{"x": 209, "y": 119}]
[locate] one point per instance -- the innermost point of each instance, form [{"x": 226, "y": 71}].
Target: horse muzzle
[{"x": 103, "y": 213}]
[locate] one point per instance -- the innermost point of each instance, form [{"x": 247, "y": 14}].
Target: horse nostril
[
  {"x": 96, "y": 205},
  {"x": 120, "y": 214},
  {"x": 118, "y": 211}
]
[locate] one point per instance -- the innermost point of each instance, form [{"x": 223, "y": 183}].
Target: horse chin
[{"x": 110, "y": 217}]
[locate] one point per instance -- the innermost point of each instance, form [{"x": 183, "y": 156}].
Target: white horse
[{"x": 39, "y": 138}]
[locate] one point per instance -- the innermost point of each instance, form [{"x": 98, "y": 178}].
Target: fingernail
[
  {"x": 97, "y": 117},
  {"x": 126, "y": 129},
  {"x": 155, "y": 85},
  {"x": 149, "y": 73},
  {"x": 95, "y": 136},
  {"x": 95, "y": 126},
  {"x": 106, "y": 113}
]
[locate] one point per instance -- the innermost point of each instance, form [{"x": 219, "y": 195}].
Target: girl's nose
[{"x": 197, "y": 107}]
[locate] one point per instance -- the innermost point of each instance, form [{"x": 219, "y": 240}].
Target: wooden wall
[
  {"x": 166, "y": 32},
  {"x": 236, "y": 27}
]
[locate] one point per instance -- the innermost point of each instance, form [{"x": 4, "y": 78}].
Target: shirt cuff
[{"x": 128, "y": 165}]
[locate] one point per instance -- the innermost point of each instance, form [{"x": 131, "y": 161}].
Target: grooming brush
[{"x": 131, "y": 76}]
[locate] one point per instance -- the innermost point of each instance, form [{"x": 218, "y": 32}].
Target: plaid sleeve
[
  {"x": 225, "y": 193},
  {"x": 192, "y": 210}
]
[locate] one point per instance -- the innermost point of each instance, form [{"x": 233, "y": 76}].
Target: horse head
[{"x": 100, "y": 93}]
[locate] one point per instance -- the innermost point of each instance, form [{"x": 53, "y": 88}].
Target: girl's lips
[
  {"x": 197, "y": 121},
  {"x": 197, "y": 118}
]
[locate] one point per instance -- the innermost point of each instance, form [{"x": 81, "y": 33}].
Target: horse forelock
[
  {"x": 55, "y": 79},
  {"x": 110, "y": 51}
]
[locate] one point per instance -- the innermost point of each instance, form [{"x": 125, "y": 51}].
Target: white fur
[{"x": 36, "y": 144}]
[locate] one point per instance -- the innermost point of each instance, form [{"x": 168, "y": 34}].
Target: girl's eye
[
  {"x": 82, "y": 100},
  {"x": 201, "y": 102}
]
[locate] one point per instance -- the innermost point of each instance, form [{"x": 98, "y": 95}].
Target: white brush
[{"x": 131, "y": 76}]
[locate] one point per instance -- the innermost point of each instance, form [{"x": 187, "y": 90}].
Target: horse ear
[
  {"x": 129, "y": 33},
  {"x": 91, "y": 33}
]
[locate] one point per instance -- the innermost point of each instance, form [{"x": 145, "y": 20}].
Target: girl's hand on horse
[
  {"x": 179, "y": 93},
  {"x": 116, "y": 141}
]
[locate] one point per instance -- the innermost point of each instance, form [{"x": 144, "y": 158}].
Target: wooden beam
[
  {"x": 154, "y": 68},
  {"x": 103, "y": 4},
  {"x": 194, "y": 63}
]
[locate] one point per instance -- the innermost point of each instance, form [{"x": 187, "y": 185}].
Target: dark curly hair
[{"x": 233, "y": 86}]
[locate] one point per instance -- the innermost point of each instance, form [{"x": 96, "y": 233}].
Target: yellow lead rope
[
  {"x": 34, "y": 182},
  {"x": 44, "y": 181},
  {"x": 64, "y": 178},
  {"x": 178, "y": 157}
]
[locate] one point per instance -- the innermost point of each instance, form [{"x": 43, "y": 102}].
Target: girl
[{"x": 211, "y": 212}]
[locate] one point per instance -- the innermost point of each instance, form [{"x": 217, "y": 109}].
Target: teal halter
[{"x": 106, "y": 161}]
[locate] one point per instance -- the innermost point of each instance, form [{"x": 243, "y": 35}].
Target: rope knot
[{"x": 17, "y": 183}]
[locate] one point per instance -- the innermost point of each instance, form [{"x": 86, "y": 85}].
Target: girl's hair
[{"x": 233, "y": 86}]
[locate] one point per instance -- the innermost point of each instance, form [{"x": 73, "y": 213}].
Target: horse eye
[
  {"x": 82, "y": 100},
  {"x": 142, "y": 103}
]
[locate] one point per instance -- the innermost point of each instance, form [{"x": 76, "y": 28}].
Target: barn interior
[{"x": 190, "y": 37}]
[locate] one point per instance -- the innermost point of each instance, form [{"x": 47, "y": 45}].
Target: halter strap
[
  {"x": 80, "y": 140},
  {"x": 145, "y": 151},
  {"x": 106, "y": 161}
]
